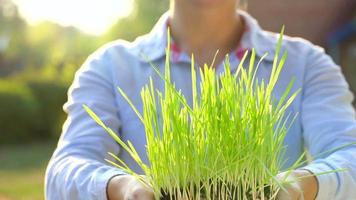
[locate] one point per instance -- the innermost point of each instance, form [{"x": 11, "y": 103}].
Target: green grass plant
[{"x": 225, "y": 145}]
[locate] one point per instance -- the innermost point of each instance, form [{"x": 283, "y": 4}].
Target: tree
[
  {"x": 12, "y": 26},
  {"x": 140, "y": 21}
]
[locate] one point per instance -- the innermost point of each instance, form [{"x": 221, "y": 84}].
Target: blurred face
[
  {"x": 212, "y": 2},
  {"x": 201, "y": 4}
]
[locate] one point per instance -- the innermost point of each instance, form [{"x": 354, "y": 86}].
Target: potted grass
[{"x": 224, "y": 146}]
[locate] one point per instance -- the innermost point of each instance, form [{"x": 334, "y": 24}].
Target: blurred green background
[
  {"x": 38, "y": 62},
  {"x": 37, "y": 65}
]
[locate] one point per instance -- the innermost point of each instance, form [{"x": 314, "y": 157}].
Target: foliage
[
  {"x": 49, "y": 45},
  {"x": 139, "y": 22},
  {"x": 9, "y": 17},
  {"x": 50, "y": 97},
  {"x": 230, "y": 139},
  {"x": 55, "y": 46},
  {"x": 12, "y": 29},
  {"x": 18, "y": 113},
  {"x": 32, "y": 110},
  {"x": 40, "y": 61},
  {"x": 37, "y": 67},
  {"x": 40, "y": 46}
]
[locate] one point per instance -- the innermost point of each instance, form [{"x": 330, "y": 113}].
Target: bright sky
[{"x": 91, "y": 16}]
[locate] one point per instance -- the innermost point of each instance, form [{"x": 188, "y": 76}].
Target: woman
[{"x": 326, "y": 118}]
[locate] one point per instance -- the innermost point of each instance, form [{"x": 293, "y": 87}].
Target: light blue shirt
[{"x": 325, "y": 120}]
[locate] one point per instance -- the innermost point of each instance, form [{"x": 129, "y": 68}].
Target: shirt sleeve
[
  {"x": 77, "y": 169},
  {"x": 328, "y": 121}
]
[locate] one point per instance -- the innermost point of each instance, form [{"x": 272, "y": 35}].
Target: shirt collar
[{"x": 152, "y": 46}]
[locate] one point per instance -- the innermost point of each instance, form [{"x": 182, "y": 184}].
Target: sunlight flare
[{"x": 93, "y": 17}]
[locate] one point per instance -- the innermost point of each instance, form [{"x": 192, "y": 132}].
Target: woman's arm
[
  {"x": 77, "y": 169},
  {"x": 328, "y": 122}
]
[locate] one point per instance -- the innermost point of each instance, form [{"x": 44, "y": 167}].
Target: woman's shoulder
[
  {"x": 264, "y": 41},
  {"x": 115, "y": 48},
  {"x": 296, "y": 47},
  {"x": 137, "y": 50}
]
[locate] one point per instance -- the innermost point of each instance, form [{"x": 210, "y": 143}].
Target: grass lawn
[{"x": 22, "y": 169}]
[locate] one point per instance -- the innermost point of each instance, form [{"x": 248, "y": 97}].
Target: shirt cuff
[
  {"x": 327, "y": 182},
  {"x": 103, "y": 180}
]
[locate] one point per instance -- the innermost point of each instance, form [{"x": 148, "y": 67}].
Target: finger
[
  {"x": 140, "y": 192},
  {"x": 140, "y": 195},
  {"x": 292, "y": 192},
  {"x": 283, "y": 196}
]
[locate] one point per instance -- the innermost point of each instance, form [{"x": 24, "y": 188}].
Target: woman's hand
[
  {"x": 302, "y": 185},
  {"x": 127, "y": 187}
]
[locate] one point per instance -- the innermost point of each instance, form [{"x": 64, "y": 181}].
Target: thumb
[
  {"x": 139, "y": 191},
  {"x": 292, "y": 188}
]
